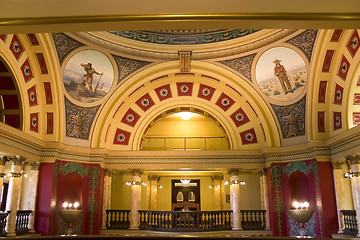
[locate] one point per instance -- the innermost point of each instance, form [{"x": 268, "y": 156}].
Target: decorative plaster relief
[
  {"x": 322, "y": 91},
  {"x": 121, "y": 137},
  {"x": 47, "y": 91},
  {"x": 248, "y": 136},
  {"x": 34, "y": 122},
  {"x": 206, "y": 92},
  {"x": 49, "y": 123},
  {"x": 78, "y": 120},
  {"x": 32, "y": 96},
  {"x": 305, "y": 41},
  {"x": 145, "y": 102},
  {"x": 338, "y": 95},
  {"x": 343, "y": 68},
  {"x": 130, "y": 117},
  {"x": 163, "y": 92},
  {"x": 239, "y": 117},
  {"x": 225, "y": 102},
  {"x": 337, "y": 120},
  {"x": 126, "y": 66},
  {"x": 353, "y": 44},
  {"x": 321, "y": 122},
  {"x": 241, "y": 65},
  {"x": 16, "y": 47},
  {"x": 356, "y": 118},
  {"x": 184, "y": 88},
  {"x": 26, "y": 70},
  {"x": 291, "y": 118},
  {"x": 64, "y": 45}
]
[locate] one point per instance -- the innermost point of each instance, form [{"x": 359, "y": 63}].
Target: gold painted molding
[{"x": 177, "y": 21}]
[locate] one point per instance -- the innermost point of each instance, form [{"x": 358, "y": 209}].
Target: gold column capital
[
  {"x": 35, "y": 165},
  {"x": 217, "y": 177},
  {"x": 233, "y": 171},
  {"x": 17, "y": 160},
  {"x": 136, "y": 172},
  {"x": 3, "y": 160},
  {"x": 262, "y": 172},
  {"x": 353, "y": 159},
  {"x": 154, "y": 178},
  {"x": 337, "y": 164}
]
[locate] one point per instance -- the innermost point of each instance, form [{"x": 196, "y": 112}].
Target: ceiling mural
[
  {"x": 281, "y": 74},
  {"x": 88, "y": 76}
]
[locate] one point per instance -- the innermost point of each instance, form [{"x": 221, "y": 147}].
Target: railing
[
  {"x": 253, "y": 219},
  {"x": 117, "y": 219},
  {"x": 3, "y": 216},
  {"x": 22, "y": 221},
  {"x": 350, "y": 222},
  {"x": 185, "y": 221},
  {"x": 185, "y": 143}
]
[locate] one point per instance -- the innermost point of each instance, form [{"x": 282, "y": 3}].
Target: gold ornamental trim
[{"x": 315, "y": 16}]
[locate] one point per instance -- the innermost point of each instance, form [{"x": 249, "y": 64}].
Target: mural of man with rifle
[{"x": 88, "y": 77}]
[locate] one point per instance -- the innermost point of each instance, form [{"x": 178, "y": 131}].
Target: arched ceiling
[{"x": 227, "y": 69}]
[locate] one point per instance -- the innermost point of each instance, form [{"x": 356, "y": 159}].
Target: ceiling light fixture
[{"x": 185, "y": 180}]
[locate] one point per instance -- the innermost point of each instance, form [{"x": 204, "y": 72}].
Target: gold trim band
[{"x": 288, "y": 16}]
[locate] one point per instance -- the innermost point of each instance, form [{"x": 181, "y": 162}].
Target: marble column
[
  {"x": 235, "y": 198},
  {"x": 3, "y": 160},
  {"x": 31, "y": 203},
  {"x": 264, "y": 196},
  {"x": 106, "y": 195},
  {"x": 154, "y": 187},
  {"x": 217, "y": 191},
  {"x": 13, "y": 194},
  {"x": 339, "y": 191},
  {"x": 135, "y": 198},
  {"x": 355, "y": 185}
]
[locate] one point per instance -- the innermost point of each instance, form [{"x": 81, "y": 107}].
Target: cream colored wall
[
  {"x": 250, "y": 197},
  {"x": 348, "y": 202},
  {"x": 249, "y": 194},
  {"x": 189, "y": 128}
]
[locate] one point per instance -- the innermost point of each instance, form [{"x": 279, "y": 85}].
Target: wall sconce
[
  {"x": 138, "y": 183},
  {"x": 351, "y": 174},
  {"x": 216, "y": 186},
  {"x": 153, "y": 186},
  {"x": 234, "y": 182},
  {"x": 74, "y": 205}
]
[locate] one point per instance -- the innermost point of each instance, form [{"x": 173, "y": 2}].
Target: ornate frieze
[
  {"x": 241, "y": 65},
  {"x": 305, "y": 41},
  {"x": 64, "y": 45},
  {"x": 79, "y": 120},
  {"x": 291, "y": 118}
]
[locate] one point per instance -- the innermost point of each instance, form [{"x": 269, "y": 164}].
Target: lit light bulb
[
  {"x": 296, "y": 205},
  {"x": 70, "y": 205},
  {"x": 160, "y": 187},
  {"x": 76, "y": 205},
  {"x": 65, "y": 204},
  {"x": 306, "y": 205},
  {"x": 210, "y": 186},
  {"x": 226, "y": 183}
]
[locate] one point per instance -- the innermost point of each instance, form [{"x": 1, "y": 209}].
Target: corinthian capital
[
  {"x": 136, "y": 172},
  {"x": 353, "y": 159},
  {"x": 17, "y": 160},
  {"x": 337, "y": 164},
  {"x": 3, "y": 160}
]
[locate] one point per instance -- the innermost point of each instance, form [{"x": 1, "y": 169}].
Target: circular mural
[
  {"x": 88, "y": 76},
  {"x": 281, "y": 73}
]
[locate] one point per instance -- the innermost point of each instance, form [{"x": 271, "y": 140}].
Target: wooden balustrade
[
  {"x": 22, "y": 221},
  {"x": 185, "y": 220},
  {"x": 253, "y": 219},
  {"x": 188, "y": 221},
  {"x": 350, "y": 222},
  {"x": 3, "y": 217},
  {"x": 117, "y": 219}
]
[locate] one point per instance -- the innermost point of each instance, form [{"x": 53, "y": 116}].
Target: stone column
[
  {"x": 135, "y": 198},
  {"x": 339, "y": 191},
  {"x": 235, "y": 198},
  {"x": 13, "y": 194},
  {"x": 217, "y": 191},
  {"x": 33, "y": 183},
  {"x": 264, "y": 196},
  {"x": 3, "y": 160},
  {"x": 106, "y": 195},
  {"x": 153, "y": 181},
  {"x": 24, "y": 189},
  {"x": 355, "y": 185}
]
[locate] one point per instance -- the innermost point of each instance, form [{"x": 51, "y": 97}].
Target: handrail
[
  {"x": 185, "y": 220},
  {"x": 350, "y": 222},
  {"x": 117, "y": 219},
  {"x": 253, "y": 219}
]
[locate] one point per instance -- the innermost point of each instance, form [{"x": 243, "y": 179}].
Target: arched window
[{"x": 180, "y": 197}]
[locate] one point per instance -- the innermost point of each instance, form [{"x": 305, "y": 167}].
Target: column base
[
  {"x": 11, "y": 234},
  {"x": 133, "y": 228},
  {"x": 236, "y": 229}
]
